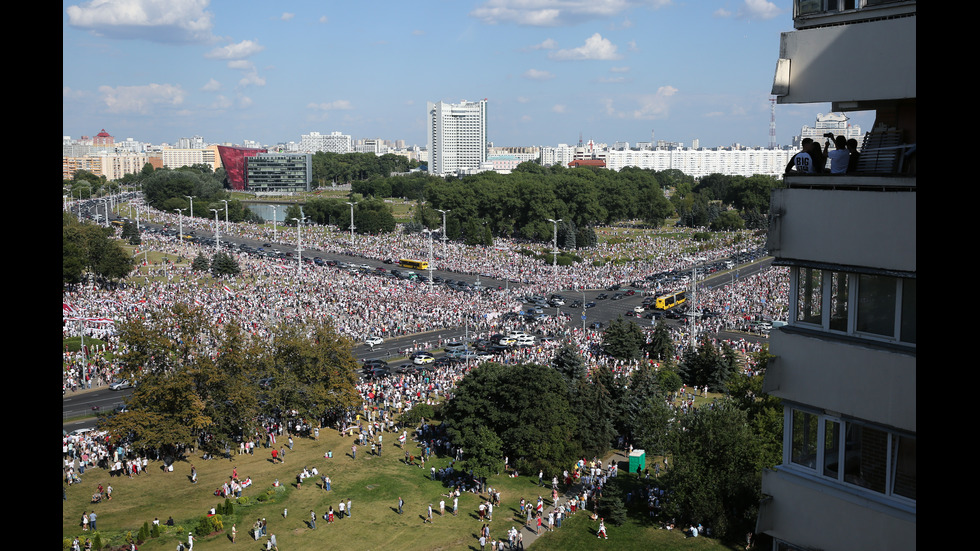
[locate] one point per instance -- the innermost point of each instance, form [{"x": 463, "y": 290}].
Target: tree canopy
[{"x": 187, "y": 395}]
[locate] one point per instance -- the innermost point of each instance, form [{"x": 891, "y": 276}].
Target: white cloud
[
  {"x": 523, "y": 99},
  {"x": 221, "y": 102},
  {"x": 323, "y": 19},
  {"x": 559, "y": 108},
  {"x": 595, "y": 47},
  {"x": 535, "y": 74},
  {"x": 251, "y": 78},
  {"x": 550, "y": 13},
  {"x": 619, "y": 69},
  {"x": 650, "y": 106},
  {"x": 212, "y": 86},
  {"x": 140, "y": 99},
  {"x": 241, "y": 65},
  {"x": 418, "y": 32},
  {"x": 760, "y": 9},
  {"x": 179, "y": 21},
  {"x": 241, "y": 50},
  {"x": 548, "y": 44},
  {"x": 286, "y": 16},
  {"x": 340, "y": 104},
  {"x": 722, "y": 13}
]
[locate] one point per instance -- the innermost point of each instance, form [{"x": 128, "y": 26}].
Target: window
[
  {"x": 908, "y": 311},
  {"x": 876, "y": 304},
  {"x": 810, "y": 296},
  {"x": 865, "y": 305},
  {"x": 852, "y": 453},
  {"x": 804, "y": 439}
]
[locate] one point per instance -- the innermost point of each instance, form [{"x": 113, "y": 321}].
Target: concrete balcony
[
  {"x": 822, "y": 514},
  {"x": 846, "y": 376},
  {"x": 867, "y": 221}
]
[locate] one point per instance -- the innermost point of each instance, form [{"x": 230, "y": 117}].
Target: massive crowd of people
[{"x": 359, "y": 304}]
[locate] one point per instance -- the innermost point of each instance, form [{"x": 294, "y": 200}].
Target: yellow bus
[
  {"x": 666, "y": 302},
  {"x": 413, "y": 264}
]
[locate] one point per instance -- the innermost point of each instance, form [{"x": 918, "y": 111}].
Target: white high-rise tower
[{"x": 457, "y": 137}]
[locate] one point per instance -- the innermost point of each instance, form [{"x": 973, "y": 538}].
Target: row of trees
[
  {"x": 519, "y": 204},
  {"x": 168, "y": 189},
  {"x": 87, "y": 248},
  {"x": 190, "y": 395},
  {"x": 547, "y": 417},
  {"x": 343, "y": 168}
]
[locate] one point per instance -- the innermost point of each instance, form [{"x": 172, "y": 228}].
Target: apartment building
[{"x": 845, "y": 365}]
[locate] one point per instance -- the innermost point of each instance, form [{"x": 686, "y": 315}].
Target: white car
[
  {"x": 371, "y": 341},
  {"x": 638, "y": 309},
  {"x": 120, "y": 385},
  {"x": 423, "y": 359}
]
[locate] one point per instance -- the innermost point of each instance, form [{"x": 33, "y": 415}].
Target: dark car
[
  {"x": 617, "y": 296},
  {"x": 601, "y": 296},
  {"x": 590, "y": 304}
]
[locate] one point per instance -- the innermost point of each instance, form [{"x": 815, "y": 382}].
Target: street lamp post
[
  {"x": 274, "y": 223},
  {"x": 554, "y": 246},
  {"x": 299, "y": 246},
  {"x": 191, "y": 197},
  {"x": 180, "y": 226},
  {"x": 217, "y": 237},
  {"x": 428, "y": 231},
  {"x": 225, "y": 201},
  {"x": 443, "y": 230},
  {"x": 351, "y": 223}
]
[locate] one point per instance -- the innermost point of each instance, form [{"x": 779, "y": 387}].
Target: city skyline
[{"x": 608, "y": 71}]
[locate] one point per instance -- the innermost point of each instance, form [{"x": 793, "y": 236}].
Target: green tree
[
  {"x": 201, "y": 263},
  {"x": 623, "y": 340},
  {"x": 525, "y": 405},
  {"x": 223, "y": 264},
  {"x": 661, "y": 344},
  {"x": 714, "y": 477},
  {"x": 728, "y": 220}
]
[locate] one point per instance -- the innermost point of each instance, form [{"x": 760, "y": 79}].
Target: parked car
[{"x": 373, "y": 341}]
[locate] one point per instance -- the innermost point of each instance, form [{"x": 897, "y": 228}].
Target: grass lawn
[{"x": 373, "y": 483}]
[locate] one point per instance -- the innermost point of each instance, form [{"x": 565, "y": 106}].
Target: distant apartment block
[
  {"x": 176, "y": 158},
  {"x": 335, "y": 142},
  {"x": 457, "y": 136},
  {"x": 111, "y": 165},
  {"x": 693, "y": 162},
  {"x": 835, "y": 123}
]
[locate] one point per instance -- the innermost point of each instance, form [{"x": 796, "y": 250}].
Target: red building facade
[{"x": 233, "y": 161}]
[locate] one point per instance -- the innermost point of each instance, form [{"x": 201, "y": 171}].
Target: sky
[{"x": 552, "y": 71}]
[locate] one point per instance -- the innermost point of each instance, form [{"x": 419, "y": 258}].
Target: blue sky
[{"x": 551, "y": 70}]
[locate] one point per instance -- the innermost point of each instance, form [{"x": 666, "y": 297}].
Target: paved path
[{"x": 576, "y": 489}]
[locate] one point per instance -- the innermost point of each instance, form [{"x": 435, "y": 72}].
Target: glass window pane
[
  {"x": 865, "y": 457},
  {"x": 876, "y": 304},
  {"x": 908, "y": 310},
  {"x": 838, "y": 301},
  {"x": 809, "y": 293},
  {"x": 831, "y": 449},
  {"x": 904, "y": 460},
  {"x": 804, "y": 445}
]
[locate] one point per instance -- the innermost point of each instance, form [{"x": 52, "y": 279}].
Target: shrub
[
  {"x": 208, "y": 525},
  {"x": 417, "y": 413}
]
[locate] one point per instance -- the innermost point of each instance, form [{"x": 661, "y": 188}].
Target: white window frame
[
  {"x": 891, "y": 465},
  {"x": 853, "y": 293}
]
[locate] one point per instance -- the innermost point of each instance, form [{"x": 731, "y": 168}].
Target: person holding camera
[{"x": 839, "y": 157}]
